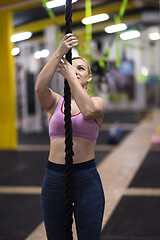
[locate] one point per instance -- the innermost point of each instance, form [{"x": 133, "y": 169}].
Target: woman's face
[{"x": 82, "y": 71}]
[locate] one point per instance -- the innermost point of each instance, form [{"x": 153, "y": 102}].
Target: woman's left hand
[{"x": 66, "y": 69}]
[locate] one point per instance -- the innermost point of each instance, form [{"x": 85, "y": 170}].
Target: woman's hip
[{"x": 85, "y": 180}]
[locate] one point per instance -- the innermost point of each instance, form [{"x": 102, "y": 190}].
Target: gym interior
[{"x": 126, "y": 74}]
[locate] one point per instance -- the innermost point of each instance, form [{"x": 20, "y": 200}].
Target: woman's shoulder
[
  {"x": 50, "y": 112},
  {"x": 97, "y": 99},
  {"x": 58, "y": 97},
  {"x": 99, "y": 103}
]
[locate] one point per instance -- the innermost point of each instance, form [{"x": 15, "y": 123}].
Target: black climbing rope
[{"x": 68, "y": 136}]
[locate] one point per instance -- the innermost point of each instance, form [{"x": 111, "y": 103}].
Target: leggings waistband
[{"x": 76, "y": 167}]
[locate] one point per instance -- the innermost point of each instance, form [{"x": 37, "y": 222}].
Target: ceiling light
[
  {"x": 15, "y": 51},
  {"x": 96, "y": 18},
  {"x": 116, "y": 28},
  {"x": 41, "y": 54},
  {"x": 57, "y": 3},
  {"x": 131, "y": 34},
  {"x": 21, "y": 36},
  {"x": 154, "y": 36}
]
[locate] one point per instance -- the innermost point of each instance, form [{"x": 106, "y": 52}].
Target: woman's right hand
[{"x": 68, "y": 41}]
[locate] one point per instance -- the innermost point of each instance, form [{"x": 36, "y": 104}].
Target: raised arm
[
  {"x": 91, "y": 108},
  {"x": 45, "y": 95}
]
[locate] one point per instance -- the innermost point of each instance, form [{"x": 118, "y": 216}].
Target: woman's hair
[
  {"x": 85, "y": 60},
  {"x": 89, "y": 69}
]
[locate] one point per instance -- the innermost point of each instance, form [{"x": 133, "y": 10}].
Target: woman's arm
[
  {"x": 91, "y": 108},
  {"x": 45, "y": 95}
]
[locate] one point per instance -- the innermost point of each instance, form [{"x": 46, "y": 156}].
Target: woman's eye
[{"x": 81, "y": 68}]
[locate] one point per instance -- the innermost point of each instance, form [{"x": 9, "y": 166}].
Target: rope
[{"x": 68, "y": 136}]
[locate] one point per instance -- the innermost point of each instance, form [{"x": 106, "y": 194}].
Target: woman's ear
[{"x": 89, "y": 78}]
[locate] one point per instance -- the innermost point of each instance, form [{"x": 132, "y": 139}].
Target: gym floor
[{"x": 129, "y": 171}]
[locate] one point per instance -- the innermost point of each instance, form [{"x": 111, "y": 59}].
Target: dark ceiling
[
  {"x": 30, "y": 14},
  {"x": 37, "y": 13}
]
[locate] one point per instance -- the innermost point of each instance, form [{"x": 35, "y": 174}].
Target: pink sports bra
[{"x": 81, "y": 127}]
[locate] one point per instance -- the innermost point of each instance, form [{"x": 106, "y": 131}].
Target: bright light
[
  {"x": 15, "y": 51},
  {"x": 96, "y": 18},
  {"x": 41, "y": 54},
  {"x": 37, "y": 55},
  {"x": 21, "y": 36},
  {"x": 154, "y": 36},
  {"x": 44, "y": 53},
  {"x": 57, "y": 3},
  {"x": 116, "y": 28},
  {"x": 144, "y": 71},
  {"x": 131, "y": 34}
]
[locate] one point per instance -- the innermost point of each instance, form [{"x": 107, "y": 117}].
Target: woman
[{"x": 87, "y": 116}]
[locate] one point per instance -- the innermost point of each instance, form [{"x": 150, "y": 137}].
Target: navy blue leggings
[{"x": 88, "y": 199}]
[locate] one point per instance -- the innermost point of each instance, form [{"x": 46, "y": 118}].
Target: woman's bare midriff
[{"x": 84, "y": 150}]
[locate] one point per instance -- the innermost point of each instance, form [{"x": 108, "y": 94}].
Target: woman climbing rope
[{"x": 87, "y": 116}]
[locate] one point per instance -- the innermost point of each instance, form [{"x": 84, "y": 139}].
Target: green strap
[
  {"x": 57, "y": 37},
  {"x": 118, "y": 57},
  {"x": 106, "y": 56},
  {"x": 101, "y": 63},
  {"x": 53, "y": 17},
  {"x": 123, "y": 8},
  {"x": 49, "y": 11},
  {"x": 117, "y": 20},
  {"x": 88, "y": 13}
]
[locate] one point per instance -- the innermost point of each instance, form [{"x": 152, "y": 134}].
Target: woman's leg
[
  {"x": 88, "y": 204},
  {"x": 52, "y": 202}
]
